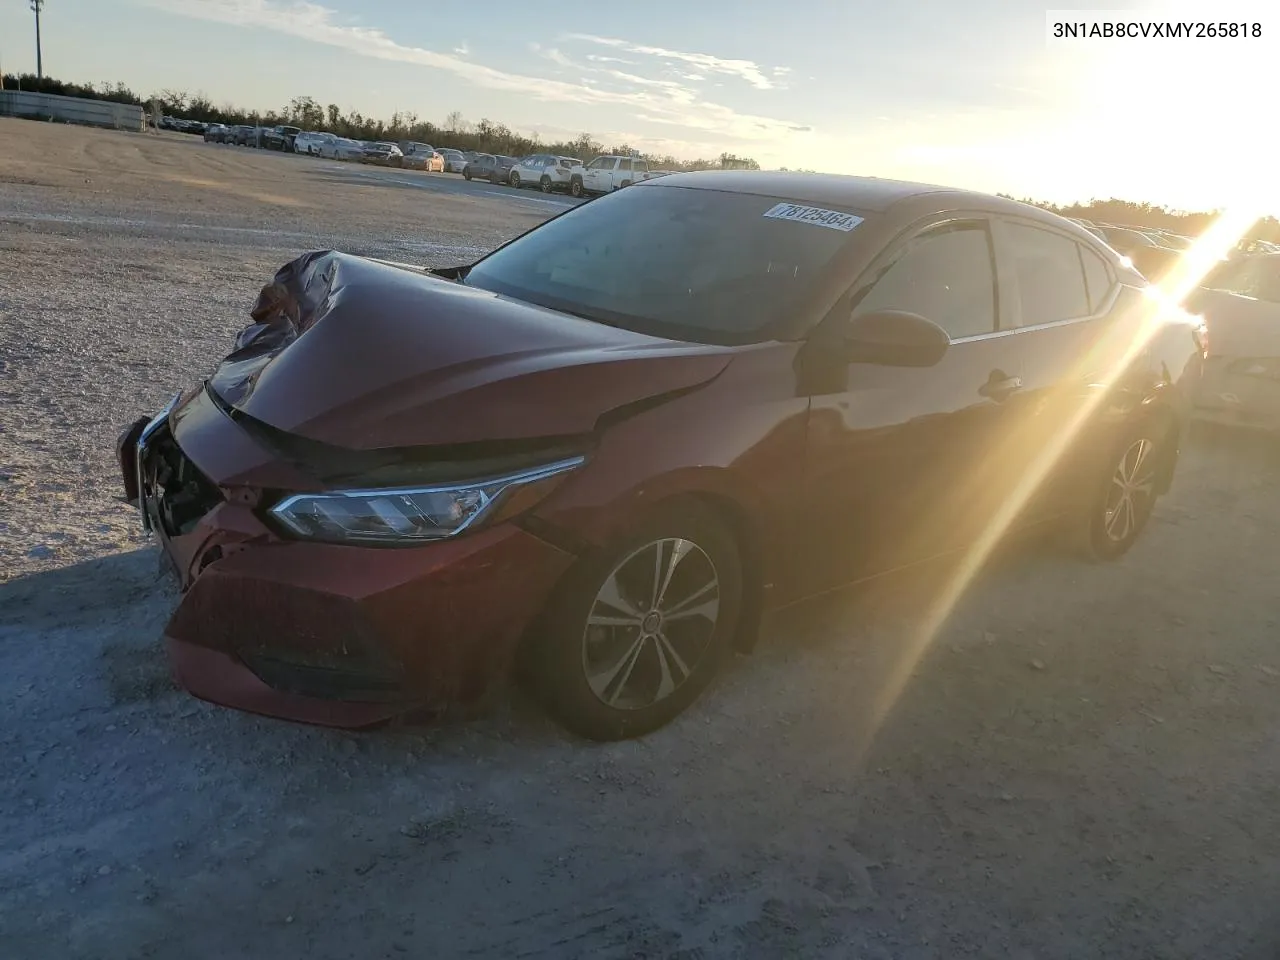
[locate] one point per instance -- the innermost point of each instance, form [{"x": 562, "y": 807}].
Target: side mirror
[{"x": 894, "y": 338}]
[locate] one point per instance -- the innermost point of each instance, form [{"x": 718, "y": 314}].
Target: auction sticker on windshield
[{"x": 815, "y": 215}]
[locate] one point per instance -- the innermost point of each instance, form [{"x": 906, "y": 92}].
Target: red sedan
[{"x": 606, "y": 448}]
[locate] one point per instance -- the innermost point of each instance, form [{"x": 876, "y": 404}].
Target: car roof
[{"x": 864, "y": 193}]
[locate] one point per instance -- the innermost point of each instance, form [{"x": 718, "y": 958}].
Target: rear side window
[
  {"x": 944, "y": 275},
  {"x": 624, "y": 164},
  {"x": 1049, "y": 275},
  {"x": 1097, "y": 279}
]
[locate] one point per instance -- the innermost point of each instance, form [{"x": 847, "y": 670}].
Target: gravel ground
[{"x": 1085, "y": 764}]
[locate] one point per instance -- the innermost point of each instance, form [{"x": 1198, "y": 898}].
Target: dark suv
[
  {"x": 279, "y": 138},
  {"x": 488, "y": 166}
]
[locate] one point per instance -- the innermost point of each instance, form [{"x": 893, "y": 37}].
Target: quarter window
[
  {"x": 944, "y": 275},
  {"x": 1049, "y": 274}
]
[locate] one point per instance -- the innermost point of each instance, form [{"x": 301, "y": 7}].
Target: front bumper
[{"x": 338, "y": 635}]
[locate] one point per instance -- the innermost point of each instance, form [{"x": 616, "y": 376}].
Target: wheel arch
[
  {"x": 1167, "y": 430},
  {"x": 747, "y": 538}
]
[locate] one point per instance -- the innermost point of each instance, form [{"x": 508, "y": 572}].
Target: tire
[
  {"x": 575, "y": 187},
  {"x": 545, "y": 184},
  {"x": 515, "y": 180},
  {"x": 1117, "y": 509},
  {"x": 585, "y": 674},
  {"x": 466, "y": 174}
]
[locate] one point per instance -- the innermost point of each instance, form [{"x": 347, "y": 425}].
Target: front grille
[{"x": 178, "y": 495}]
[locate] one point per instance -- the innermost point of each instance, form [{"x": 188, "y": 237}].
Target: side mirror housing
[{"x": 895, "y": 338}]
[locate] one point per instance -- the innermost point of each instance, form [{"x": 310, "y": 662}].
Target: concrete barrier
[{"x": 97, "y": 113}]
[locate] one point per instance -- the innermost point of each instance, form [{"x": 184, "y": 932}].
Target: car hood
[{"x": 367, "y": 354}]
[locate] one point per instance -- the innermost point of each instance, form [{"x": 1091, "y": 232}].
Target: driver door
[
  {"x": 906, "y": 464},
  {"x": 593, "y": 176}
]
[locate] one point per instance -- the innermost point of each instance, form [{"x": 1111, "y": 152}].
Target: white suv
[
  {"x": 310, "y": 142},
  {"x": 605, "y": 174},
  {"x": 544, "y": 170}
]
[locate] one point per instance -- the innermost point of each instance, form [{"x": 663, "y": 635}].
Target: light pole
[{"x": 37, "y": 6}]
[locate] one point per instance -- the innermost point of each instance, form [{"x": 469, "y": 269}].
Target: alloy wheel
[
  {"x": 1131, "y": 492},
  {"x": 651, "y": 623}
]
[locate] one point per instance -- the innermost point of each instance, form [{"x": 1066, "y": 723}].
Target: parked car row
[{"x": 549, "y": 173}]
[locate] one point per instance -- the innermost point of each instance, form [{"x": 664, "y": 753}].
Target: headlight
[{"x": 406, "y": 515}]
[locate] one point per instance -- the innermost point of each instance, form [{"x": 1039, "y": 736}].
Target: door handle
[{"x": 1000, "y": 385}]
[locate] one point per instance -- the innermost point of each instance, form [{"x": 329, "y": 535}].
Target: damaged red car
[{"x": 604, "y": 450}]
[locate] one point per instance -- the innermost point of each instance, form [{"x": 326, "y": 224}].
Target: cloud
[
  {"x": 598, "y": 58},
  {"x": 662, "y": 102},
  {"x": 462, "y": 49},
  {"x": 742, "y": 69}
]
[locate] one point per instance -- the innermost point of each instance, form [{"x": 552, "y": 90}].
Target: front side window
[
  {"x": 1049, "y": 275},
  {"x": 700, "y": 265},
  {"x": 945, "y": 275},
  {"x": 599, "y": 163}
]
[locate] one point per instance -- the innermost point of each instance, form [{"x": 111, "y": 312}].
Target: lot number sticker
[{"x": 815, "y": 215}]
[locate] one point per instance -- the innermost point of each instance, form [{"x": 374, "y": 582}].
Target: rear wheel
[
  {"x": 636, "y": 632},
  {"x": 545, "y": 184},
  {"x": 575, "y": 187},
  {"x": 466, "y": 174},
  {"x": 1124, "y": 497}
]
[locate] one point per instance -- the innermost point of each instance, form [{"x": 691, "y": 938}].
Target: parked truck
[{"x": 606, "y": 174}]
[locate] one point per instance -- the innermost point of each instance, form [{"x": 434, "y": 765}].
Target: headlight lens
[{"x": 401, "y": 515}]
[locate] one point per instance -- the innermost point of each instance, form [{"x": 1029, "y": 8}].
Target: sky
[{"x": 970, "y": 94}]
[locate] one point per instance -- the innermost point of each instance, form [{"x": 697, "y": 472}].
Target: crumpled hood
[{"x": 363, "y": 354}]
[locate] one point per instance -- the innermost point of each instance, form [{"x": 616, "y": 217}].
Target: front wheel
[
  {"x": 515, "y": 180},
  {"x": 466, "y": 175},
  {"x": 636, "y": 632}
]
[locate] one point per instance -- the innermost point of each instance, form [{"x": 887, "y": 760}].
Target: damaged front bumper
[{"x": 340, "y": 635}]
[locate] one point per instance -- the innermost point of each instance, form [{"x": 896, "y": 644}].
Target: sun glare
[{"x": 1102, "y": 367}]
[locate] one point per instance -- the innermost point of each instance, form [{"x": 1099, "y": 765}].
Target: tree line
[
  {"x": 484, "y": 136},
  {"x": 1146, "y": 215},
  {"x": 488, "y": 136}
]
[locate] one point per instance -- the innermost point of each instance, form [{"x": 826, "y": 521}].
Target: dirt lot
[{"x": 1086, "y": 763}]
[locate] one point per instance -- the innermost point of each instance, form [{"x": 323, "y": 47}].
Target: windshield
[{"x": 701, "y": 265}]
